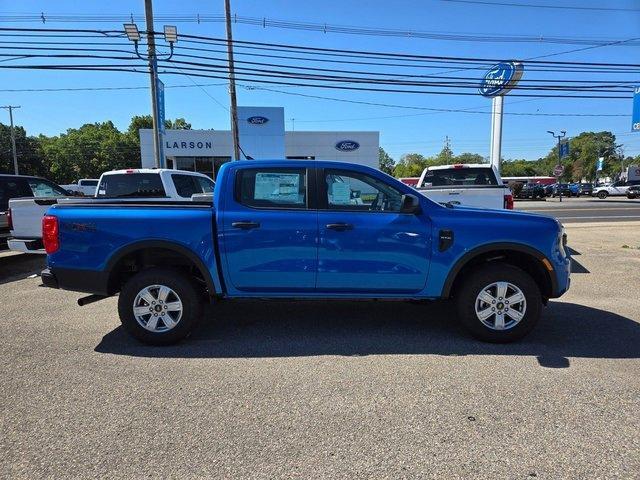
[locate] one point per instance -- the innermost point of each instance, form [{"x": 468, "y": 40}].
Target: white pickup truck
[
  {"x": 470, "y": 185},
  {"x": 157, "y": 185},
  {"x": 84, "y": 186}
]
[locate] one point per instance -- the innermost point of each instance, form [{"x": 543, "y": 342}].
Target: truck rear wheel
[
  {"x": 498, "y": 303},
  {"x": 159, "y": 306}
]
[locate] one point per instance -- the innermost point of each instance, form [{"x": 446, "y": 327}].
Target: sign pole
[{"x": 496, "y": 130}]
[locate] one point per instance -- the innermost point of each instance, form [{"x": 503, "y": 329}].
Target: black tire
[
  {"x": 603, "y": 194},
  {"x": 476, "y": 280},
  {"x": 184, "y": 287}
]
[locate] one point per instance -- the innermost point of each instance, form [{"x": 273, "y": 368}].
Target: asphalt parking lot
[
  {"x": 585, "y": 209},
  {"x": 327, "y": 389}
]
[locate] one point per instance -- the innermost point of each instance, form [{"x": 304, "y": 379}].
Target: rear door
[
  {"x": 269, "y": 230},
  {"x": 366, "y": 244},
  {"x": 27, "y": 213}
]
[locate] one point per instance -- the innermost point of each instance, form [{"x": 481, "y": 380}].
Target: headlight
[{"x": 562, "y": 242}]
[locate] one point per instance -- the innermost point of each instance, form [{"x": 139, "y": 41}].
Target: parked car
[
  {"x": 561, "y": 188},
  {"x": 300, "y": 229},
  {"x": 585, "y": 189},
  {"x": 633, "y": 191},
  {"x": 531, "y": 190},
  {"x": 471, "y": 185},
  {"x": 85, "y": 187},
  {"x": 618, "y": 188},
  {"x": 574, "y": 188},
  {"x": 23, "y": 186},
  {"x": 548, "y": 189},
  {"x": 158, "y": 185}
]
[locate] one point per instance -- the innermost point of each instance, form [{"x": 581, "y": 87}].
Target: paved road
[
  {"x": 326, "y": 389},
  {"x": 578, "y": 210}
]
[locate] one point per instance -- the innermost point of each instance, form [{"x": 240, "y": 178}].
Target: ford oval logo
[
  {"x": 347, "y": 145},
  {"x": 257, "y": 120},
  {"x": 501, "y": 78}
]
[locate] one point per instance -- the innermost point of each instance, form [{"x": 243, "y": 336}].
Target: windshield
[
  {"x": 460, "y": 176},
  {"x": 131, "y": 185}
]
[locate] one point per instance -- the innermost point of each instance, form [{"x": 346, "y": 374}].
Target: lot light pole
[
  {"x": 13, "y": 136},
  {"x": 559, "y": 137},
  {"x": 170, "y": 36}
]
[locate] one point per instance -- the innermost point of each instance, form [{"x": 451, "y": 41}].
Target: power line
[
  {"x": 325, "y": 28},
  {"x": 428, "y": 109},
  {"x": 538, "y": 5}
]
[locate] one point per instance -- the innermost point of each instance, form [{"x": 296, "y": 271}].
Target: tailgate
[
  {"x": 477, "y": 197},
  {"x": 26, "y": 215}
]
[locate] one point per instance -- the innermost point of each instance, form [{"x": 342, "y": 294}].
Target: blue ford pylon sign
[
  {"x": 501, "y": 78},
  {"x": 635, "y": 118}
]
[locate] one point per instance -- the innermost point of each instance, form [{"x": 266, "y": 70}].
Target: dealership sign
[
  {"x": 501, "y": 78},
  {"x": 257, "y": 120},
  {"x": 347, "y": 145},
  {"x": 635, "y": 119}
]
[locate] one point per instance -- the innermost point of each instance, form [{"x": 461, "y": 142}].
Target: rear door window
[
  {"x": 463, "y": 176},
  {"x": 12, "y": 188},
  {"x": 131, "y": 185},
  {"x": 45, "y": 188},
  {"x": 272, "y": 187},
  {"x": 187, "y": 185}
]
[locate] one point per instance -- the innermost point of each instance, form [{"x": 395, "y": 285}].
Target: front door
[
  {"x": 270, "y": 232},
  {"x": 366, "y": 244}
]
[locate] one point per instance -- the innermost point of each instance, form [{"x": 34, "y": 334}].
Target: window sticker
[
  {"x": 277, "y": 186},
  {"x": 340, "y": 193}
]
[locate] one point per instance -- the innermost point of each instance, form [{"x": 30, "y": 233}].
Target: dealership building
[{"x": 262, "y": 136}]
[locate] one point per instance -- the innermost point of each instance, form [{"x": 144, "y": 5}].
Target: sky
[{"x": 401, "y": 130}]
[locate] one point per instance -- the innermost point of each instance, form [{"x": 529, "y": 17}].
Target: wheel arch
[
  {"x": 525, "y": 257},
  {"x": 139, "y": 252}
]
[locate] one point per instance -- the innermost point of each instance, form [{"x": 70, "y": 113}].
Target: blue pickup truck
[{"x": 306, "y": 229}]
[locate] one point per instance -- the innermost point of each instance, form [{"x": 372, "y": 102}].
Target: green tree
[
  {"x": 410, "y": 165},
  {"x": 469, "y": 158},
  {"x": 27, "y": 150},
  {"x": 385, "y": 162},
  {"x": 178, "y": 124},
  {"x": 88, "y": 151}
]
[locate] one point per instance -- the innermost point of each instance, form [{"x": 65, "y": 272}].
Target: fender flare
[
  {"x": 517, "y": 247},
  {"x": 167, "y": 245}
]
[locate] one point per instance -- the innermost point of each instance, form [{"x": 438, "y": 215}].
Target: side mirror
[{"x": 409, "y": 203}]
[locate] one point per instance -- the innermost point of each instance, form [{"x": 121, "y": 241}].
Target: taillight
[
  {"x": 50, "y": 234},
  {"x": 508, "y": 201},
  {"x": 9, "y": 219}
]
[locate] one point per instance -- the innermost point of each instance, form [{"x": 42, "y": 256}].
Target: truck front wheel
[
  {"x": 159, "y": 306},
  {"x": 498, "y": 303}
]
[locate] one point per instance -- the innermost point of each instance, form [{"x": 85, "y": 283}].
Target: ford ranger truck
[{"x": 306, "y": 229}]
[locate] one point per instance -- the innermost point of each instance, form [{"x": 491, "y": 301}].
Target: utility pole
[
  {"x": 153, "y": 76},
  {"x": 13, "y": 136},
  {"x": 232, "y": 84},
  {"x": 559, "y": 137}
]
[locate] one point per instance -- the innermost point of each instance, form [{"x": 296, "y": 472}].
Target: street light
[
  {"x": 559, "y": 137},
  {"x": 133, "y": 34},
  {"x": 170, "y": 36}
]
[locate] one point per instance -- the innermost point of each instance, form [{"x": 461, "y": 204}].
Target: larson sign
[
  {"x": 347, "y": 145},
  {"x": 188, "y": 145}
]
